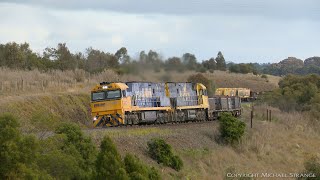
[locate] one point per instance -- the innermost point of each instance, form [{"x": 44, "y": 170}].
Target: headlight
[{"x": 95, "y": 118}]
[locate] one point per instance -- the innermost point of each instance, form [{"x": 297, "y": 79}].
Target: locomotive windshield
[
  {"x": 96, "y": 96},
  {"x": 106, "y": 95},
  {"x": 113, "y": 94}
]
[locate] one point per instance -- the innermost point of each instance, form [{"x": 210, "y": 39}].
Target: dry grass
[
  {"x": 220, "y": 78},
  {"x": 20, "y": 82}
]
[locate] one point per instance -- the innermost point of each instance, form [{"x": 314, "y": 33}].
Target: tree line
[{"x": 20, "y": 56}]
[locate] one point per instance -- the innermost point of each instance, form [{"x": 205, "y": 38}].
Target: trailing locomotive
[
  {"x": 130, "y": 103},
  {"x": 244, "y": 93}
]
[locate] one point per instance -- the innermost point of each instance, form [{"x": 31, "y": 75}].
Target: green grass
[
  {"x": 60, "y": 107},
  {"x": 195, "y": 153},
  {"x": 139, "y": 132}
]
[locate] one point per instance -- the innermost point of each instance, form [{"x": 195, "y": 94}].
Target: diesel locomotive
[{"x": 133, "y": 103}]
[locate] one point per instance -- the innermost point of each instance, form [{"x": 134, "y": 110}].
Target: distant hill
[
  {"x": 293, "y": 65},
  {"x": 312, "y": 61}
]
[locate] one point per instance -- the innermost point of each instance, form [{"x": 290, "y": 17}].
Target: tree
[
  {"x": 18, "y": 153},
  {"x": 61, "y": 159},
  {"x": 98, "y": 60},
  {"x": 108, "y": 163},
  {"x": 173, "y": 63},
  {"x": 143, "y": 57},
  {"x": 80, "y": 60},
  {"x": 221, "y": 63},
  {"x": 65, "y": 60},
  {"x": 190, "y": 61},
  {"x": 234, "y": 68},
  {"x": 19, "y": 56},
  {"x": 9, "y": 135},
  {"x": 199, "y": 78},
  {"x": 122, "y": 55},
  {"x": 153, "y": 57},
  {"x": 210, "y": 64},
  {"x": 83, "y": 145}
]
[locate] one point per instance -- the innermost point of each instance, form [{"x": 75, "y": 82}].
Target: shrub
[
  {"x": 201, "y": 69},
  {"x": 58, "y": 161},
  {"x": 138, "y": 170},
  {"x": 160, "y": 151},
  {"x": 77, "y": 144},
  {"x": 165, "y": 78},
  {"x": 300, "y": 93},
  {"x": 18, "y": 152},
  {"x": 108, "y": 163},
  {"x": 264, "y": 76},
  {"x": 312, "y": 166},
  {"x": 177, "y": 163},
  {"x": 231, "y": 128},
  {"x": 200, "y": 78}
]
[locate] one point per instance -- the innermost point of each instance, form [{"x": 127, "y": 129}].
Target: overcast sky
[{"x": 244, "y": 30}]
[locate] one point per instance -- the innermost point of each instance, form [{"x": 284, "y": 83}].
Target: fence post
[
  {"x": 251, "y": 118},
  {"x": 22, "y": 83},
  {"x": 270, "y": 115},
  {"x": 42, "y": 85}
]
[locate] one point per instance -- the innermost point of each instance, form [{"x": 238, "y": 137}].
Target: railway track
[{"x": 142, "y": 126}]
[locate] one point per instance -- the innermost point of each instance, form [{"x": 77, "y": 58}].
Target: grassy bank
[
  {"x": 47, "y": 110},
  {"x": 279, "y": 146}
]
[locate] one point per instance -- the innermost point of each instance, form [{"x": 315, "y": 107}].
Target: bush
[
  {"x": 201, "y": 69},
  {"x": 312, "y": 166},
  {"x": 300, "y": 93},
  {"x": 160, "y": 151},
  {"x": 199, "y": 78},
  {"x": 77, "y": 144},
  {"x": 166, "y": 78},
  {"x": 68, "y": 154},
  {"x": 138, "y": 170},
  {"x": 231, "y": 128},
  {"x": 108, "y": 163},
  {"x": 18, "y": 153},
  {"x": 264, "y": 76}
]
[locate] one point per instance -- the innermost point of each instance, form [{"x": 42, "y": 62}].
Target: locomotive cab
[{"x": 108, "y": 102}]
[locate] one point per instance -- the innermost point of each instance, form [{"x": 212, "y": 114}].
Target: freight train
[
  {"x": 133, "y": 103},
  {"x": 244, "y": 93}
]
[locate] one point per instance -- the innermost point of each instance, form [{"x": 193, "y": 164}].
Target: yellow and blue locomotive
[{"x": 117, "y": 103}]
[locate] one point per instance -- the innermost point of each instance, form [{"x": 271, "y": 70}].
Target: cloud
[
  {"x": 288, "y": 9},
  {"x": 116, "y": 40},
  {"x": 241, "y": 37}
]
